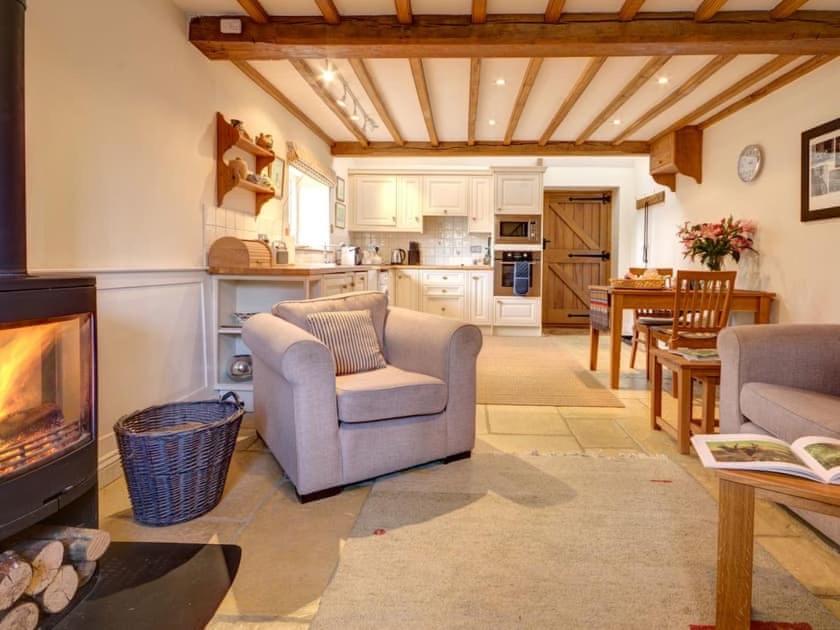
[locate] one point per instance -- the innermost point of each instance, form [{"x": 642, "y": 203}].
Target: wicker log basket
[{"x": 176, "y": 457}]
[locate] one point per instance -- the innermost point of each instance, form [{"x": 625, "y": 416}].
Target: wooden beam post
[
  {"x": 579, "y": 88},
  {"x": 445, "y": 148},
  {"x": 305, "y": 71},
  {"x": 708, "y": 9},
  {"x": 786, "y": 8},
  {"x": 633, "y": 86},
  {"x": 422, "y": 88},
  {"x": 629, "y": 9},
  {"x": 269, "y": 88},
  {"x": 522, "y": 97},
  {"x": 329, "y": 11},
  {"x": 553, "y": 10},
  {"x": 404, "y": 15},
  {"x": 254, "y": 10},
  {"x": 479, "y": 11},
  {"x": 369, "y": 86},
  {"x": 475, "y": 84}
]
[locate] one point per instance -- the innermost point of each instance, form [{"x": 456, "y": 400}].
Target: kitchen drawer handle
[
  {"x": 443, "y": 290},
  {"x": 445, "y": 278},
  {"x": 445, "y": 211},
  {"x": 443, "y": 309}
]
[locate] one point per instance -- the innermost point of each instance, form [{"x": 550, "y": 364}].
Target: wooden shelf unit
[
  {"x": 228, "y": 136},
  {"x": 681, "y": 152}
]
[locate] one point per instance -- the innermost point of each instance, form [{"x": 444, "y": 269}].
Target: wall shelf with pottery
[{"x": 230, "y": 175}]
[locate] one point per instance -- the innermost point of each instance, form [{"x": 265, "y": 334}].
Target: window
[{"x": 309, "y": 210}]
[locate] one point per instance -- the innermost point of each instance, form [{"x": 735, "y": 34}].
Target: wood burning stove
[{"x": 47, "y": 344}]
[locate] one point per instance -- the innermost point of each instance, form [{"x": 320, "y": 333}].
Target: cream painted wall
[
  {"x": 121, "y": 165},
  {"x": 799, "y": 261}
]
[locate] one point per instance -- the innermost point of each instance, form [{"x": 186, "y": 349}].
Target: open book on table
[{"x": 816, "y": 458}]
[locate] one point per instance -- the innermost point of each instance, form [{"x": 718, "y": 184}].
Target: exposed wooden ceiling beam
[
  {"x": 579, "y": 88},
  {"x": 254, "y": 10},
  {"x": 370, "y": 88},
  {"x": 789, "y": 77},
  {"x": 281, "y": 98},
  {"x": 475, "y": 84},
  {"x": 581, "y": 35},
  {"x": 691, "y": 84},
  {"x": 642, "y": 77},
  {"x": 629, "y": 9},
  {"x": 522, "y": 97},
  {"x": 553, "y": 10},
  {"x": 771, "y": 67},
  {"x": 415, "y": 149},
  {"x": 708, "y": 9},
  {"x": 786, "y": 8},
  {"x": 305, "y": 71},
  {"x": 479, "y": 11},
  {"x": 404, "y": 15},
  {"x": 329, "y": 11},
  {"x": 422, "y": 88}
]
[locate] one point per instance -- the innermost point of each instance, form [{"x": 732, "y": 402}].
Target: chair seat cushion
[
  {"x": 666, "y": 332},
  {"x": 388, "y": 393},
  {"x": 656, "y": 321},
  {"x": 790, "y": 413}
]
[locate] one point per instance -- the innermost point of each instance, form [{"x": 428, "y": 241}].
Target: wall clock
[{"x": 749, "y": 163}]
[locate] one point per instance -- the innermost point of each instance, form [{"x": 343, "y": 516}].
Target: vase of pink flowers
[{"x": 713, "y": 242}]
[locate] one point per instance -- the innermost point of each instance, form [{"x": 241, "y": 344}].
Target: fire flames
[{"x": 21, "y": 350}]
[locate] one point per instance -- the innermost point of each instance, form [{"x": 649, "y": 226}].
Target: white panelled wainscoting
[{"x": 152, "y": 347}]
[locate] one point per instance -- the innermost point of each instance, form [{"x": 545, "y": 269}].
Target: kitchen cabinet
[
  {"x": 407, "y": 288},
  {"x": 409, "y": 203},
  {"x": 480, "y": 204},
  {"x": 480, "y": 297},
  {"x": 373, "y": 202},
  {"x": 445, "y": 195},
  {"x": 360, "y": 281},
  {"x": 451, "y": 306},
  {"x": 336, "y": 284},
  {"x": 518, "y": 192},
  {"x": 516, "y": 311}
]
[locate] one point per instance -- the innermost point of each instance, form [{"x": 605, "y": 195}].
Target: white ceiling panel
[
  {"x": 724, "y": 78},
  {"x": 441, "y": 7},
  {"x": 677, "y": 71},
  {"x": 290, "y": 83},
  {"x": 209, "y": 7},
  {"x": 614, "y": 75},
  {"x": 449, "y": 91},
  {"x": 396, "y": 86},
  {"x": 362, "y": 7},
  {"x": 496, "y": 102},
  {"x": 516, "y": 6},
  {"x": 593, "y": 6},
  {"x": 554, "y": 82}
]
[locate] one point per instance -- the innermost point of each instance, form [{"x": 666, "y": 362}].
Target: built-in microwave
[{"x": 518, "y": 229}]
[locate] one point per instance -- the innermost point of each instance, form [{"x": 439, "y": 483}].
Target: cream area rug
[
  {"x": 504, "y": 541},
  {"x": 536, "y": 371}
]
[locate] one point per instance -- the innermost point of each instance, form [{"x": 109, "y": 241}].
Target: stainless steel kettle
[{"x": 398, "y": 256}]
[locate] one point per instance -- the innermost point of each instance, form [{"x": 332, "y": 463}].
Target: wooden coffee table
[{"x": 738, "y": 491}]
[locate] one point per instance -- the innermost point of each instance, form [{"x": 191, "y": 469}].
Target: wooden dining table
[{"x": 607, "y": 306}]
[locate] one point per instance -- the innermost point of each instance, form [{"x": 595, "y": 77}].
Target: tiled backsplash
[
  {"x": 444, "y": 241},
  {"x": 219, "y": 222}
]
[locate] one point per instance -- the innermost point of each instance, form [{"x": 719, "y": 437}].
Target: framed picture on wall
[
  {"x": 821, "y": 172},
  {"x": 278, "y": 177},
  {"x": 340, "y": 215},
  {"x": 339, "y": 189}
]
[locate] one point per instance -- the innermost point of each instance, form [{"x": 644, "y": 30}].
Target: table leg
[
  {"x": 763, "y": 315},
  {"x": 616, "y": 320},
  {"x": 708, "y": 424},
  {"x": 655, "y": 393},
  {"x": 736, "y": 514},
  {"x": 594, "y": 337},
  {"x": 684, "y": 404}
]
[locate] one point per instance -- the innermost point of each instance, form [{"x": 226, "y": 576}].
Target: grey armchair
[
  {"x": 784, "y": 381},
  {"x": 328, "y": 431}
]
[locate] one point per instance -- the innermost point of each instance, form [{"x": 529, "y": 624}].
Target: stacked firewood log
[{"x": 42, "y": 571}]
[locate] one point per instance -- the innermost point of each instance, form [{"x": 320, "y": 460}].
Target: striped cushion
[{"x": 351, "y": 338}]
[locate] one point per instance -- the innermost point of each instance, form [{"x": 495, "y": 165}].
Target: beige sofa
[
  {"x": 329, "y": 431},
  {"x": 784, "y": 381}
]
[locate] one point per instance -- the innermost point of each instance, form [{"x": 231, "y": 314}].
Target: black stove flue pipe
[{"x": 12, "y": 140}]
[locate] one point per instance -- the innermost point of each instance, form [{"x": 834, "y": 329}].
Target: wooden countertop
[{"x": 321, "y": 269}]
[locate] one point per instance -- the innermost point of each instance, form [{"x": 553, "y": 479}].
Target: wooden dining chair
[
  {"x": 646, "y": 318},
  {"x": 702, "y": 303}
]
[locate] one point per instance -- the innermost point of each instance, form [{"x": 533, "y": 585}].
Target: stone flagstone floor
[{"x": 289, "y": 551}]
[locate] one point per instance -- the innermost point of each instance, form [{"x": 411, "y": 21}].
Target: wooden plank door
[{"x": 577, "y": 227}]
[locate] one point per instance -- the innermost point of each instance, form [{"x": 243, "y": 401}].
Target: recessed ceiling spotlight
[
  {"x": 617, "y": 121},
  {"x": 500, "y": 81},
  {"x": 491, "y": 122},
  {"x": 662, "y": 80},
  {"x": 328, "y": 73}
]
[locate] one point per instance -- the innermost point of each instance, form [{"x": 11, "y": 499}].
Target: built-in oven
[
  {"x": 517, "y": 273},
  {"x": 518, "y": 229}
]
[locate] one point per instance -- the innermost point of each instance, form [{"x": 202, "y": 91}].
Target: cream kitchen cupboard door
[
  {"x": 445, "y": 195},
  {"x": 518, "y": 193},
  {"x": 374, "y": 202},
  {"x": 480, "y": 297},
  {"x": 407, "y": 288},
  {"x": 517, "y": 311},
  {"x": 480, "y": 218},
  {"x": 336, "y": 284},
  {"x": 409, "y": 203}
]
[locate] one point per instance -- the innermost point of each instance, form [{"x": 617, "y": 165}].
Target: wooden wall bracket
[{"x": 681, "y": 152}]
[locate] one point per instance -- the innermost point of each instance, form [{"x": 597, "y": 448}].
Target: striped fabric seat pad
[{"x": 351, "y": 338}]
